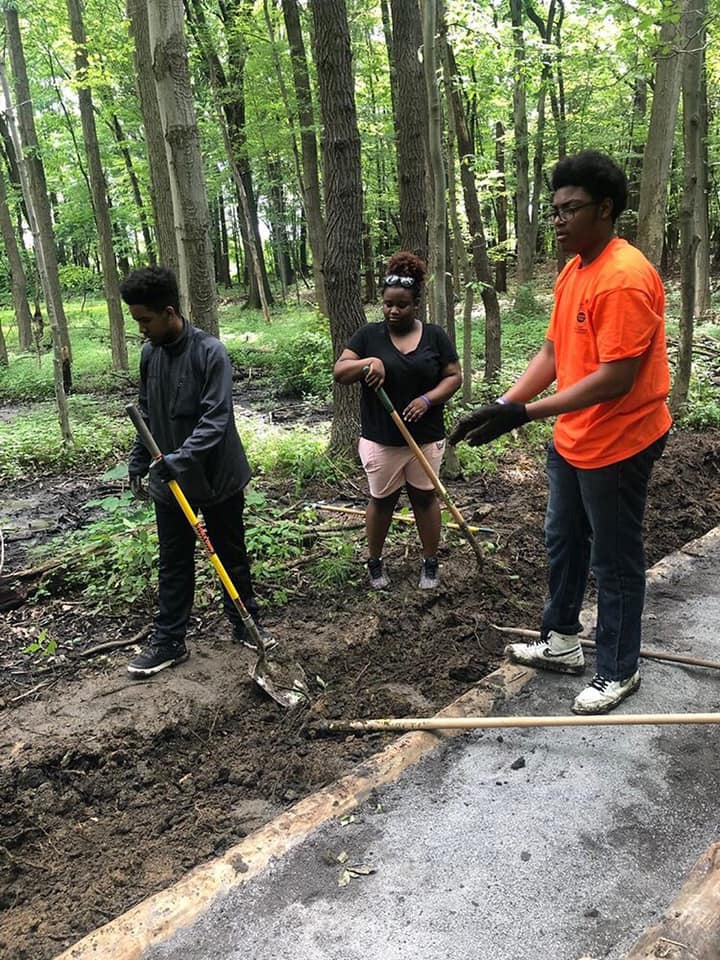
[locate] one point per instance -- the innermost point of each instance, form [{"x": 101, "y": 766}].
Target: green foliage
[
  {"x": 702, "y": 410},
  {"x": 31, "y": 441},
  {"x": 298, "y": 454},
  {"x": 294, "y": 352},
  {"x": 78, "y": 281},
  {"x": 302, "y": 366},
  {"x": 45, "y": 645},
  {"x": 337, "y": 567},
  {"x": 113, "y": 560}
]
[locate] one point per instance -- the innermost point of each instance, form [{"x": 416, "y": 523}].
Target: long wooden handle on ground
[
  {"x": 494, "y": 723},
  {"x": 333, "y": 508},
  {"x": 644, "y": 652},
  {"x": 192, "y": 518},
  {"x": 432, "y": 476}
]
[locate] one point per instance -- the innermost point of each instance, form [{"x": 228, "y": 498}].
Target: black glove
[
  {"x": 161, "y": 471},
  {"x": 489, "y": 422},
  {"x": 137, "y": 488}
]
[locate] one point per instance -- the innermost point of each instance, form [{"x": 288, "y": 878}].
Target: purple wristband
[{"x": 428, "y": 404}]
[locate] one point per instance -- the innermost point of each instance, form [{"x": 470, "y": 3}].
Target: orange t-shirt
[{"x": 612, "y": 309}]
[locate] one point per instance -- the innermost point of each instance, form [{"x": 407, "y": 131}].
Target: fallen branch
[{"x": 115, "y": 644}]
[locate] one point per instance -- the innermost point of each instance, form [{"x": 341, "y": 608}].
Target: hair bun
[{"x": 406, "y": 264}]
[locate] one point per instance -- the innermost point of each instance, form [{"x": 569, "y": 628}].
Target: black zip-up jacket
[{"x": 186, "y": 400}]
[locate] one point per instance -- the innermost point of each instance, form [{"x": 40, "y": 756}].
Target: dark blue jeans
[
  {"x": 595, "y": 519},
  {"x": 176, "y": 574}
]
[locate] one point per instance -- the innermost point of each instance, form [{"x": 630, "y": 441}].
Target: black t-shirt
[{"x": 407, "y": 376}]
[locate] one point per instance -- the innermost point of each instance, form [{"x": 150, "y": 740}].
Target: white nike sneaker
[
  {"x": 560, "y": 652},
  {"x": 603, "y": 695}
]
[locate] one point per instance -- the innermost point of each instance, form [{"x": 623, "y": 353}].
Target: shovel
[
  {"x": 432, "y": 476},
  {"x": 286, "y": 686}
]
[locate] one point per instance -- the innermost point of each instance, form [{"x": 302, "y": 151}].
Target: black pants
[
  {"x": 176, "y": 575},
  {"x": 595, "y": 519}
]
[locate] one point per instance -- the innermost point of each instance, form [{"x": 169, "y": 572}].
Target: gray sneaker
[
  {"x": 429, "y": 575},
  {"x": 379, "y": 580}
]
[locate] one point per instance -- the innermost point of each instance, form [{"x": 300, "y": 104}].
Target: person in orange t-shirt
[{"x": 605, "y": 350}]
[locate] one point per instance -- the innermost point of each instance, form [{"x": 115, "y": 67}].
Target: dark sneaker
[
  {"x": 379, "y": 580},
  {"x": 429, "y": 574},
  {"x": 240, "y": 635},
  {"x": 156, "y": 657}
]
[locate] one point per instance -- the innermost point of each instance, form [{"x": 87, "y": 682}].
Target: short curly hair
[
  {"x": 595, "y": 172},
  {"x": 153, "y": 287},
  {"x": 406, "y": 264}
]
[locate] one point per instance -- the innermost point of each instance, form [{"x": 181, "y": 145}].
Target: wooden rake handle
[
  {"x": 495, "y": 723},
  {"x": 432, "y": 476}
]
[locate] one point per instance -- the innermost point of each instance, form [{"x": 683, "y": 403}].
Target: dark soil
[{"x": 112, "y": 789}]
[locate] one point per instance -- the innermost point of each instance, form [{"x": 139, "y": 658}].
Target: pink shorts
[{"x": 388, "y": 468}]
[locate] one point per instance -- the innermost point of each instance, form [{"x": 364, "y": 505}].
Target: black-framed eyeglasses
[
  {"x": 566, "y": 214},
  {"x": 393, "y": 280}
]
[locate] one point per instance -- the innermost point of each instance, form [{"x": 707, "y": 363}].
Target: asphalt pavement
[{"x": 537, "y": 844}]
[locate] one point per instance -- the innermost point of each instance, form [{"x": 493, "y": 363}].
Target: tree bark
[
  {"x": 98, "y": 191},
  {"x": 660, "y": 137},
  {"x": 135, "y": 187},
  {"x": 312, "y": 196},
  {"x": 525, "y": 245},
  {"x": 29, "y": 168},
  {"x": 21, "y": 306},
  {"x": 501, "y": 209},
  {"x": 29, "y": 155},
  {"x": 437, "y": 235},
  {"x": 693, "y": 199},
  {"x": 343, "y": 201},
  {"x": 160, "y": 188},
  {"x": 481, "y": 263},
  {"x": 175, "y": 100},
  {"x": 410, "y": 116}
]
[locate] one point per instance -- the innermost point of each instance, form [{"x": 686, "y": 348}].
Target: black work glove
[
  {"x": 161, "y": 471},
  {"x": 137, "y": 487},
  {"x": 489, "y": 422}
]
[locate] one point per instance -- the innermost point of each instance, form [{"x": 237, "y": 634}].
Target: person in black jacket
[
  {"x": 418, "y": 367},
  {"x": 186, "y": 400}
]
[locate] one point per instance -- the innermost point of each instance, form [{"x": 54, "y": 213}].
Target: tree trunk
[
  {"x": 175, "y": 100},
  {"x": 525, "y": 244},
  {"x": 29, "y": 155},
  {"x": 33, "y": 186},
  {"x": 481, "y": 263},
  {"x": 702, "y": 213},
  {"x": 343, "y": 201},
  {"x": 135, "y": 186},
  {"x": 312, "y": 197},
  {"x": 98, "y": 187},
  {"x": 437, "y": 246},
  {"x": 694, "y": 196},
  {"x": 411, "y": 125},
  {"x": 501, "y": 211},
  {"x": 23, "y": 317},
  {"x": 660, "y": 137},
  {"x": 160, "y": 187}
]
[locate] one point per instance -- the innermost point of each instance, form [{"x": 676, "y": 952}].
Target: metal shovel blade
[{"x": 285, "y": 684}]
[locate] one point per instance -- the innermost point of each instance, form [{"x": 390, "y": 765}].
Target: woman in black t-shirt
[{"x": 418, "y": 367}]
